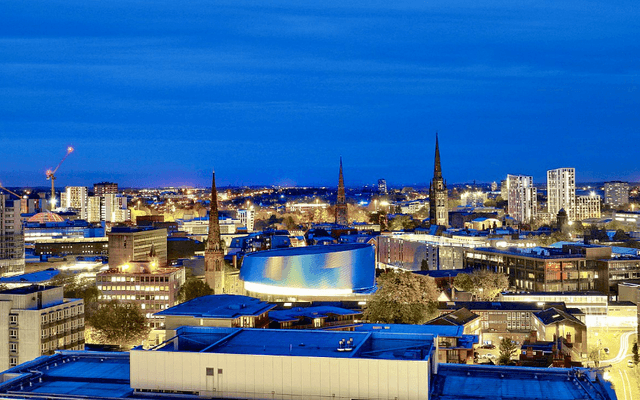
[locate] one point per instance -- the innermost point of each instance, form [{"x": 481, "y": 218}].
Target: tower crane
[
  {"x": 51, "y": 175},
  {"x": 13, "y": 193}
]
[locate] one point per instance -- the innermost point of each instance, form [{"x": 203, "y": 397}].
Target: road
[{"x": 624, "y": 349}]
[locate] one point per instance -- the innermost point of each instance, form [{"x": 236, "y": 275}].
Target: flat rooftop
[
  {"x": 475, "y": 382},
  {"x": 76, "y": 373},
  {"x": 33, "y": 277},
  {"x": 26, "y": 289},
  {"x": 220, "y": 306},
  {"x": 301, "y": 343}
]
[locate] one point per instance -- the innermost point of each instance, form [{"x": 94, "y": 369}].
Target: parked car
[
  {"x": 606, "y": 350},
  {"x": 488, "y": 346},
  {"x": 491, "y": 356},
  {"x": 630, "y": 364}
]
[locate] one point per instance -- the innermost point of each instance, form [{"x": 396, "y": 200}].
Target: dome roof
[{"x": 46, "y": 217}]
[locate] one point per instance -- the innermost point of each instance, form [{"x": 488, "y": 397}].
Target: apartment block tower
[
  {"x": 341, "y": 202},
  {"x": 561, "y": 191},
  {"x": 438, "y": 196},
  {"x": 214, "y": 254},
  {"x": 76, "y": 197},
  {"x": 11, "y": 236},
  {"x": 616, "y": 193},
  {"x": 522, "y": 197},
  {"x": 36, "y": 321}
]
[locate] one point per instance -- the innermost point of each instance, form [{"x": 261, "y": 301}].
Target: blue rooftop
[
  {"x": 33, "y": 277},
  {"x": 76, "y": 373},
  {"x": 227, "y": 306},
  {"x": 305, "y": 343},
  {"x": 296, "y": 313},
  {"x": 296, "y": 251}
]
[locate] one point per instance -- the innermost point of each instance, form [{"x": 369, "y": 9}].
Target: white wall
[{"x": 256, "y": 376}]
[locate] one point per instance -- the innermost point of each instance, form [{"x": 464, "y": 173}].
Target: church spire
[
  {"x": 213, "y": 255},
  {"x": 437, "y": 168},
  {"x": 341, "y": 201}
]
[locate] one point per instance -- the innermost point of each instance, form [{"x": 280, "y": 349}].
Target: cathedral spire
[{"x": 437, "y": 168}]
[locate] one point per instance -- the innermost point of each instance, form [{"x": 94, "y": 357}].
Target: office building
[
  {"x": 11, "y": 236},
  {"x": 37, "y": 320},
  {"x": 473, "y": 199},
  {"x": 341, "y": 217},
  {"x": 94, "y": 208},
  {"x": 102, "y": 188},
  {"x": 438, "y": 195},
  {"x": 76, "y": 198},
  {"x": 548, "y": 269},
  {"x": 616, "y": 193},
  {"x": 137, "y": 245},
  {"x": 151, "y": 287},
  {"x": 587, "y": 207},
  {"x": 561, "y": 191},
  {"x": 522, "y": 200},
  {"x": 247, "y": 218}
]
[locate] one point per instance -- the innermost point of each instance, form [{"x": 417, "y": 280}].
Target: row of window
[
  {"x": 62, "y": 328},
  {"x": 132, "y": 278},
  {"x": 138, "y": 288},
  {"x": 57, "y": 315},
  {"x": 133, "y": 297}
]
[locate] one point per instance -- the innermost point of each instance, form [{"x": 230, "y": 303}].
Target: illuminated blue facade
[{"x": 314, "y": 270}]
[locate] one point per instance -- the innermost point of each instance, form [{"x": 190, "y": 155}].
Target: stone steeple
[
  {"x": 214, "y": 254},
  {"x": 438, "y": 195},
  {"x": 341, "y": 201}
]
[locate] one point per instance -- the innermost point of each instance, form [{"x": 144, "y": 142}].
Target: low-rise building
[
  {"x": 128, "y": 245},
  {"x": 38, "y": 320},
  {"x": 220, "y": 310},
  {"x": 315, "y": 317}
]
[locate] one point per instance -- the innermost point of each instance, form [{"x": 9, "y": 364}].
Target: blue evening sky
[{"x": 154, "y": 93}]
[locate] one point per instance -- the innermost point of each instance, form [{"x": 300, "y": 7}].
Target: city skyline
[{"x": 274, "y": 95}]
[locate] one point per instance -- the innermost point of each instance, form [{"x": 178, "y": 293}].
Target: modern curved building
[{"x": 342, "y": 270}]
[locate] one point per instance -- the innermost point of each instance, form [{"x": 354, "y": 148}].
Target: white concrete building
[
  {"x": 587, "y": 207},
  {"x": 247, "y": 218},
  {"x": 37, "y": 320},
  {"x": 561, "y": 191},
  {"x": 523, "y": 201},
  {"x": 76, "y": 197}
]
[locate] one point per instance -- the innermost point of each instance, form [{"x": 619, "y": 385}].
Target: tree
[
  {"x": 594, "y": 355},
  {"x": 118, "y": 323},
  {"x": 192, "y": 288},
  {"x": 403, "y": 298},
  {"x": 86, "y": 291},
  {"x": 508, "y": 349},
  {"x": 636, "y": 356},
  {"x": 482, "y": 284}
]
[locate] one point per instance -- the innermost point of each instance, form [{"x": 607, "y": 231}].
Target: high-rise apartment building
[
  {"x": 587, "y": 207},
  {"x": 438, "y": 195},
  {"x": 94, "y": 208},
  {"x": 561, "y": 191},
  {"x": 616, "y": 193},
  {"x": 247, "y": 218},
  {"x": 522, "y": 198},
  {"x": 36, "y": 321},
  {"x": 137, "y": 245},
  {"x": 102, "y": 188},
  {"x": 11, "y": 236},
  {"x": 76, "y": 197},
  {"x": 382, "y": 186},
  {"x": 114, "y": 208}
]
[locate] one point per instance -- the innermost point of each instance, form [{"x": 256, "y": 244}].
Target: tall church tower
[
  {"x": 341, "y": 202},
  {"x": 214, "y": 254},
  {"x": 438, "y": 196}
]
